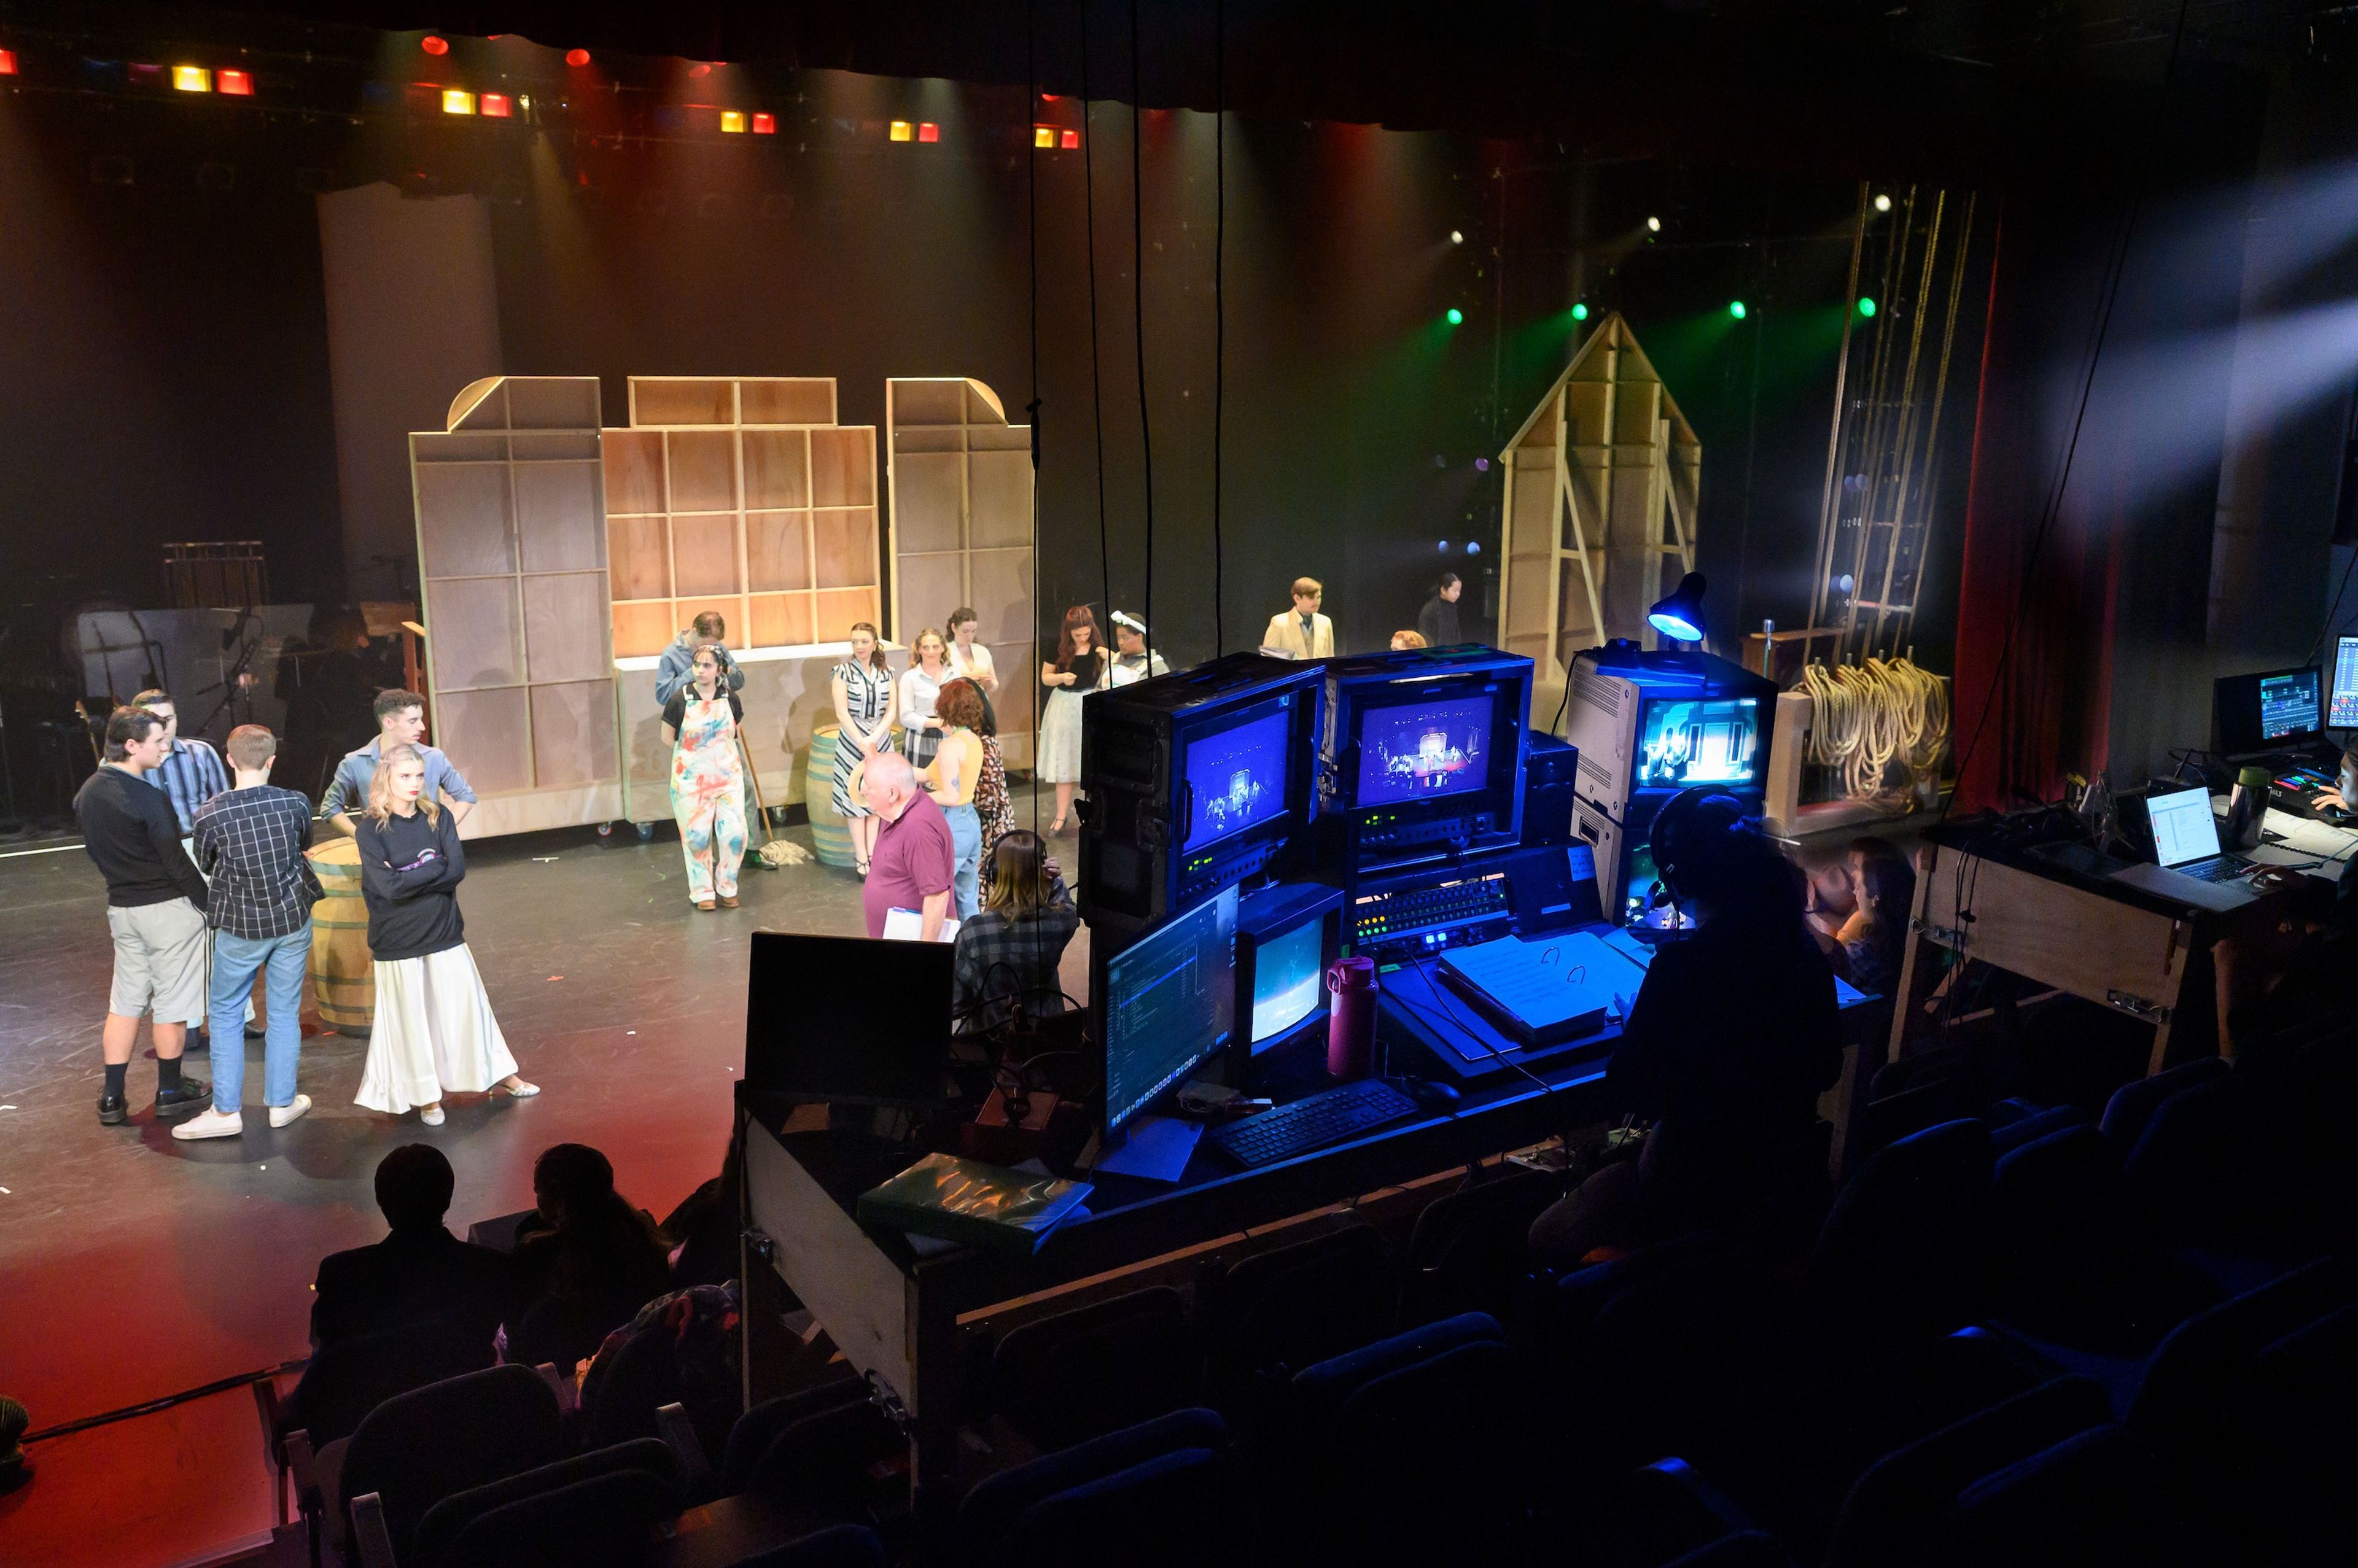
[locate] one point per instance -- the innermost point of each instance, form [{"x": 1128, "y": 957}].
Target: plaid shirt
[
  {"x": 998, "y": 960},
  {"x": 251, "y": 843},
  {"x": 191, "y": 774}
]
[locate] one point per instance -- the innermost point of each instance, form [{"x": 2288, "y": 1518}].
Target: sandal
[{"x": 514, "y": 1083}]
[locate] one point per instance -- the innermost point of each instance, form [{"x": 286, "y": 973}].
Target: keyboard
[
  {"x": 2225, "y": 869},
  {"x": 1312, "y": 1122}
]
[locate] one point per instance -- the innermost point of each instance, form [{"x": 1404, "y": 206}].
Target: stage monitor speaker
[{"x": 1548, "y": 776}]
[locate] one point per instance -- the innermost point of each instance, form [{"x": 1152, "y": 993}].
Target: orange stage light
[
  {"x": 577, "y": 56},
  {"x": 1043, "y": 135},
  {"x": 928, "y": 132},
  {"x": 732, "y": 122},
  {"x": 7, "y": 63},
  {"x": 458, "y": 101},
  {"x": 766, "y": 124},
  {"x": 237, "y": 83},
  {"x": 1072, "y": 139},
  {"x": 434, "y": 46},
  {"x": 191, "y": 79},
  {"x": 901, "y": 130},
  {"x": 497, "y": 106}
]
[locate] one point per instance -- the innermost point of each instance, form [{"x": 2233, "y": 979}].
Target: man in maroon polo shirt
[{"x": 914, "y": 857}]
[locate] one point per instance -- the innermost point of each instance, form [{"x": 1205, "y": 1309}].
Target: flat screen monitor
[
  {"x": 2269, "y": 711},
  {"x": 1170, "y": 1003},
  {"x": 1421, "y": 750},
  {"x": 2343, "y": 712},
  {"x": 815, "y": 1029},
  {"x": 2289, "y": 705},
  {"x": 1682, "y": 742},
  {"x": 1236, "y": 778}
]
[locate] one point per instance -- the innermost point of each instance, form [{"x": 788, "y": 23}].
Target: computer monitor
[
  {"x": 2342, "y": 711},
  {"x": 1170, "y": 1003},
  {"x": 815, "y": 1029},
  {"x": 2274, "y": 711},
  {"x": 1286, "y": 936},
  {"x": 1683, "y": 743},
  {"x": 2184, "y": 830}
]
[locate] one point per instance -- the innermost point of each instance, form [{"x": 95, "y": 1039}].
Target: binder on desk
[{"x": 1542, "y": 992}]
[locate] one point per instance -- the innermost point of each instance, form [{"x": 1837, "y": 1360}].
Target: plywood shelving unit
[
  {"x": 960, "y": 480},
  {"x": 743, "y": 496},
  {"x": 512, "y": 564}
]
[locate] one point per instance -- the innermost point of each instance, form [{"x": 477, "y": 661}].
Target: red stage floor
[{"x": 134, "y": 1267}]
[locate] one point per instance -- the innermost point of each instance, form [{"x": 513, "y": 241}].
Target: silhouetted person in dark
[
  {"x": 419, "y": 1270},
  {"x": 587, "y": 1259},
  {"x": 1437, "y": 622}
]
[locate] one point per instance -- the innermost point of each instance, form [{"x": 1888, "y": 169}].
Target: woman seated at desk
[
  {"x": 2275, "y": 984},
  {"x": 1865, "y": 923},
  {"x": 1013, "y": 947},
  {"x": 1730, "y": 1042}
]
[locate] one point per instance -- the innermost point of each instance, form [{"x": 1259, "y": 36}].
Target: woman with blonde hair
[
  {"x": 1010, "y": 950},
  {"x": 952, "y": 778},
  {"x": 921, "y": 687},
  {"x": 434, "y": 1031}
]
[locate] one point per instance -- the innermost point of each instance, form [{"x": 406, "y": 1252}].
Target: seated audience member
[
  {"x": 704, "y": 1229},
  {"x": 1873, "y": 938},
  {"x": 2297, "y": 975},
  {"x": 1728, "y": 1044},
  {"x": 1013, "y": 944},
  {"x": 419, "y": 1270},
  {"x": 586, "y": 1260},
  {"x": 1403, "y": 640},
  {"x": 698, "y": 1358}
]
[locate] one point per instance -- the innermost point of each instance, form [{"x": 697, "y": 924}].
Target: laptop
[{"x": 2187, "y": 863}]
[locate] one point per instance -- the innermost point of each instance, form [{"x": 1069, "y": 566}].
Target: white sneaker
[
  {"x": 210, "y": 1123},
  {"x": 280, "y": 1115},
  {"x": 431, "y": 1116}
]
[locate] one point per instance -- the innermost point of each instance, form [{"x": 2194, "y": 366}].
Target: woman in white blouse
[
  {"x": 971, "y": 661},
  {"x": 921, "y": 685}
]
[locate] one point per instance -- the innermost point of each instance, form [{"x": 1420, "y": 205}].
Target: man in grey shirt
[{"x": 400, "y": 722}]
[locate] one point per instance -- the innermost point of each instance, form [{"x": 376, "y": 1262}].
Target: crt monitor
[
  {"x": 1287, "y": 935},
  {"x": 2274, "y": 711},
  {"x": 1683, "y": 741},
  {"x": 1236, "y": 777},
  {"x": 814, "y": 1030},
  {"x": 1170, "y": 1003},
  {"x": 1420, "y": 750},
  {"x": 2343, "y": 713}
]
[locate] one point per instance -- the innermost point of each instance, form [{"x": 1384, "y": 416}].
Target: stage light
[
  {"x": 1445, "y": 546},
  {"x": 901, "y": 131},
  {"x": 1653, "y": 225},
  {"x": 699, "y": 70},
  {"x": 1043, "y": 135},
  {"x": 1579, "y": 312},
  {"x": 1736, "y": 309},
  {"x": 1457, "y": 236},
  {"x": 928, "y": 132},
  {"x": 1456, "y": 317},
  {"x": 1474, "y": 547},
  {"x": 458, "y": 101},
  {"x": 235, "y": 84},
  {"x": 191, "y": 79},
  {"x": 1865, "y": 306},
  {"x": 1681, "y": 615},
  {"x": 766, "y": 124},
  {"x": 732, "y": 122},
  {"x": 1070, "y": 141},
  {"x": 434, "y": 46},
  {"x": 7, "y": 63},
  {"x": 497, "y": 106},
  {"x": 577, "y": 56},
  {"x": 1481, "y": 465},
  {"x": 524, "y": 101},
  {"x": 1883, "y": 203}
]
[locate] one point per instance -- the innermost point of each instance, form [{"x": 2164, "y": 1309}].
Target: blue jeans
[
  {"x": 966, "y": 839},
  {"x": 281, "y": 960}
]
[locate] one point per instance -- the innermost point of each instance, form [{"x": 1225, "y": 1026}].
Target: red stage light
[
  {"x": 928, "y": 132},
  {"x": 577, "y": 56},
  {"x": 1071, "y": 140},
  {"x": 766, "y": 124},
  {"x": 1050, "y": 97},
  {"x": 433, "y": 45},
  {"x": 497, "y": 106},
  {"x": 7, "y": 63},
  {"x": 699, "y": 69},
  {"x": 237, "y": 83}
]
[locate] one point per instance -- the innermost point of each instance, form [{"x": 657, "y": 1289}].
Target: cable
[
  {"x": 1031, "y": 409},
  {"x": 1097, "y": 393},
  {"x": 1873, "y": 714},
  {"x": 1220, "y": 308},
  {"x": 1138, "y": 313}
]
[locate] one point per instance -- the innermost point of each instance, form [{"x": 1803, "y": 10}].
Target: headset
[{"x": 1693, "y": 815}]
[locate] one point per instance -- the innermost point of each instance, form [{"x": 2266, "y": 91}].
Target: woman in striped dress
[{"x": 863, "y": 717}]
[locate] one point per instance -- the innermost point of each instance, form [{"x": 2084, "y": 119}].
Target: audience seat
[
  {"x": 347, "y": 1379},
  {"x": 420, "y": 1447},
  {"x": 2097, "y": 1497},
  {"x": 840, "y": 1546},
  {"x": 820, "y": 1463},
  {"x": 1063, "y": 1379},
  {"x": 1158, "y": 1495},
  {"x": 448, "y": 1534},
  {"x": 1469, "y": 1252},
  {"x": 2007, "y": 1136},
  {"x": 1270, "y": 1315},
  {"x": 754, "y": 1430},
  {"x": 2132, "y": 1105},
  {"x": 1901, "y": 1256},
  {"x": 1747, "y": 1549},
  {"x": 2296, "y": 1444}
]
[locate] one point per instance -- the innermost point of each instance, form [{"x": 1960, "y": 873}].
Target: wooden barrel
[
  {"x": 343, "y": 976},
  {"x": 829, "y": 835}
]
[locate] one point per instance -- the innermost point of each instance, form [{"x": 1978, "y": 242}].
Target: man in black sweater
[
  {"x": 421, "y": 1272},
  {"x": 155, "y": 907}
]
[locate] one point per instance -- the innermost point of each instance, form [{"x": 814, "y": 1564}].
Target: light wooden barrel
[
  {"x": 343, "y": 976},
  {"x": 830, "y": 836}
]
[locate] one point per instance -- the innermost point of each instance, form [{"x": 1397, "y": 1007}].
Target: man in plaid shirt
[{"x": 250, "y": 842}]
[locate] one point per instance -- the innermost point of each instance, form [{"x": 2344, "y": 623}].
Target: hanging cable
[
  {"x": 1882, "y": 728},
  {"x": 1219, "y": 305},
  {"x": 1096, "y": 394},
  {"x": 1032, "y": 257},
  {"x": 1138, "y": 313}
]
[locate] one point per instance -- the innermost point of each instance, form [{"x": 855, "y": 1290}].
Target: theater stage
[{"x": 134, "y": 1267}]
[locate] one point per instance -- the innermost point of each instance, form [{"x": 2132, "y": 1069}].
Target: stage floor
[{"x": 132, "y": 1266}]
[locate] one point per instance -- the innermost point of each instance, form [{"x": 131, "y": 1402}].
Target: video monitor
[
  {"x": 1236, "y": 778},
  {"x": 2343, "y": 712},
  {"x": 1422, "y": 751},
  {"x": 2289, "y": 705},
  {"x": 1289, "y": 979},
  {"x": 2272, "y": 710},
  {"x": 1683, "y": 743},
  {"x": 814, "y": 1030},
  {"x": 1170, "y": 1002}
]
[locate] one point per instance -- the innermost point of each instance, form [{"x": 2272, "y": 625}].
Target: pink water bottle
[{"x": 1351, "y": 1022}]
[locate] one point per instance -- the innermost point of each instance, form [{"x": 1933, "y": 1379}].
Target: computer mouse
[{"x": 1438, "y": 1098}]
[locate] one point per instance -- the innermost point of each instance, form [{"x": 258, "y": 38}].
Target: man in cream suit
[{"x": 1304, "y": 633}]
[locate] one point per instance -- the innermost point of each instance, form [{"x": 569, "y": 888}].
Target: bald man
[{"x": 915, "y": 857}]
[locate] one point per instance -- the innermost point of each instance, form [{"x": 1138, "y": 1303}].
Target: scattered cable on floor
[{"x": 1882, "y": 726}]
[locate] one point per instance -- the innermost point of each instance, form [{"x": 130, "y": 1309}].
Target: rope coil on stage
[{"x": 1881, "y": 727}]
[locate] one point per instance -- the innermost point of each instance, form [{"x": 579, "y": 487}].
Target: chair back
[
  {"x": 2134, "y": 1103},
  {"x": 608, "y": 1520},
  {"x": 1063, "y": 1379},
  {"x": 2097, "y": 1497},
  {"x": 820, "y": 1463},
  {"x": 420, "y": 1447},
  {"x": 1293, "y": 1306},
  {"x": 839, "y": 1546},
  {"x": 350, "y": 1378},
  {"x": 1151, "y": 1493},
  {"x": 1901, "y": 1252},
  {"x": 1469, "y": 1252},
  {"x": 447, "y": 1521}
]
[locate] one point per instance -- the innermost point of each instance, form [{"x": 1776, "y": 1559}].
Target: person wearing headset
[{"x": 1731, "y": 1040}]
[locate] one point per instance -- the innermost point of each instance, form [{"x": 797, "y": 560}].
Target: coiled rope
[{"x": 1881, "y": 726}]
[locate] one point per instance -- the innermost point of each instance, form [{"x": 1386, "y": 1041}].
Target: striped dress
[{"x": 868, "y": 697}]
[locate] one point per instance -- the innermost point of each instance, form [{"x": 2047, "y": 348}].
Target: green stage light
[
  {"x": 1579, "y": 312},
  {"x": 1865, "y": 306},
  {"x": 1736, "y": 309},
  {"x": 1456, "y": 317}
]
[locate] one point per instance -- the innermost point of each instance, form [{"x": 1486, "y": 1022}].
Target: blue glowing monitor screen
[
  {"x": 1289, "y": 979},
  {"x": 2289, "y": 705},
  {"x": 2344, "y": 715},
  {"x": 1422, "y": 749},
  {"x": 1687, "y": 744},
  {"x": 1236, "y": 779},
  {"x": 1170, "y": 1002}
]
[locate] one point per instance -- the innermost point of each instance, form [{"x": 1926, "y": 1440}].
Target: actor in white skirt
[
  {"x": 1079, "y": 666},
  {"x": 434, "y": 1031}
]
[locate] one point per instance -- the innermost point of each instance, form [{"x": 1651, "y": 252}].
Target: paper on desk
[
  {"x": 1628, "y": 947},
  {"x": 903, "y": 925}
]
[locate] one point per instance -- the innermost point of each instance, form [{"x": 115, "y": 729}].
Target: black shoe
[
  {"x": 199, "y": 1041},
  {"x": 114, "y": 1110},
  {"x": 192, "y": 1093},
  {"x": 253, "y": 1033}
]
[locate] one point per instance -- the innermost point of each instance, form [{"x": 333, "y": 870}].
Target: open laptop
[{"x": 2188, "y": 865}]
